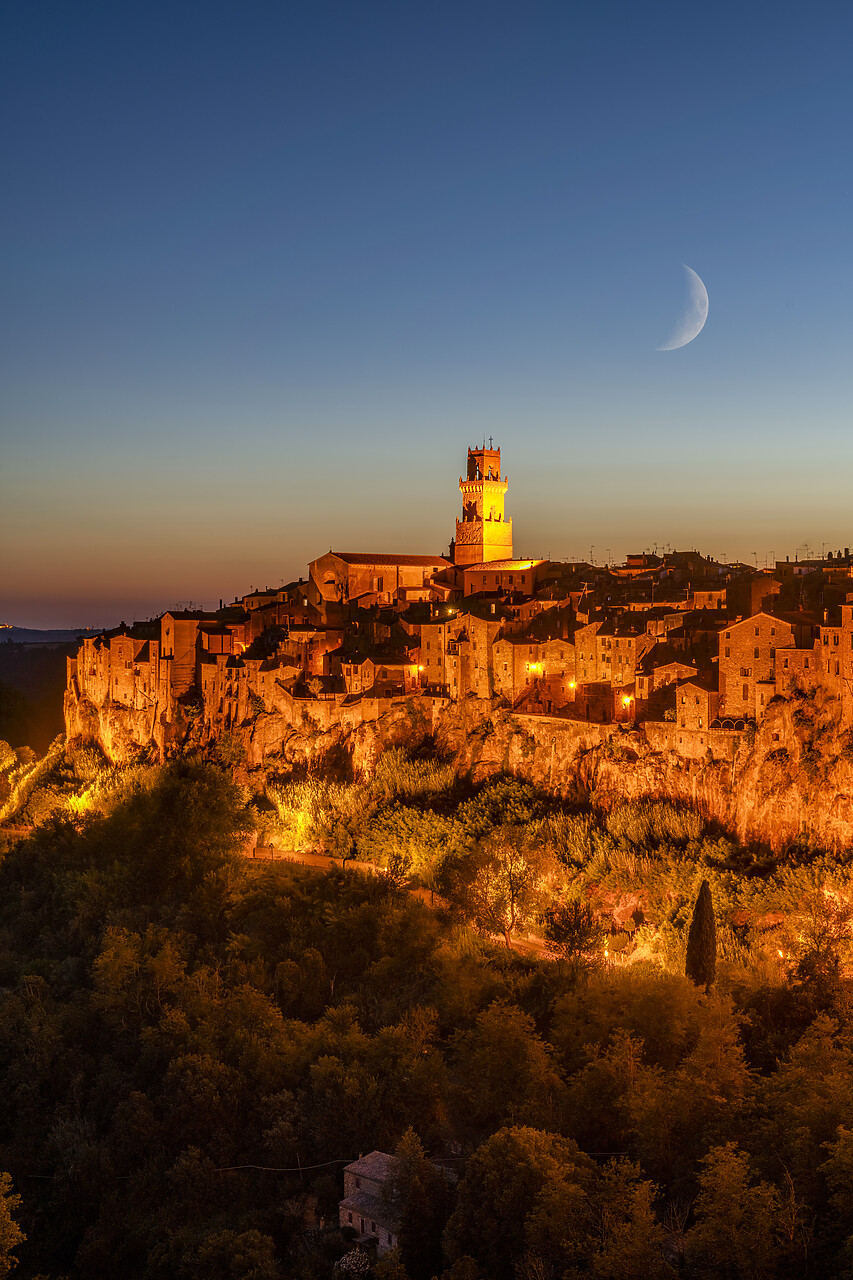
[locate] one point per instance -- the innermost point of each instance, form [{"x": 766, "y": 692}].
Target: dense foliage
[{"x": 192, "y": 1047}]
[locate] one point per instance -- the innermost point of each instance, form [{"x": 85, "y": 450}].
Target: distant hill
[
  {"x": 26, "y": 635},
  {"x": 32, "y": 683}
]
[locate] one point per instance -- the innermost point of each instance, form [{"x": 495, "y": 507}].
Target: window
[
  {"x": 745, "y": 692},
  {"x": 756, "y": 630},
  {"x": 358, "y": 1184},
  {"x": 349, "y": 1217},
  {"x": 728, "y": 652},
  {"x": 772, "y": 631},
  {"x": 755, "y": 652},
  {"x": 728, "y": 635}
]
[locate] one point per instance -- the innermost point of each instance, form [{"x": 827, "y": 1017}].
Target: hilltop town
[{"x": 673, "y": 639}]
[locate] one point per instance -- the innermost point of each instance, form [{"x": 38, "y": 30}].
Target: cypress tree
[{"x": 701, "y": 965}]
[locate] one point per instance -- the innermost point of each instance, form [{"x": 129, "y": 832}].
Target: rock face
[{"x": 790, "y": 778}]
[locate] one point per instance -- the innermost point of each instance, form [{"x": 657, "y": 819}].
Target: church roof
[{"x": 371, "y": 557}]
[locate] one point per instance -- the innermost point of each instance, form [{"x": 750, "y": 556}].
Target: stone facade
[
  {"x": 365, "y": 1208},
  {"x": 747, "y": 662},
  {"x": 484, "y": 533}
]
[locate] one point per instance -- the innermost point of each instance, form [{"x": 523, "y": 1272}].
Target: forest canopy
[{"x": 192, "y": 1045}]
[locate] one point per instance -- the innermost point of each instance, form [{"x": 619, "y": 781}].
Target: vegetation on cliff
[{"x": 191, "y": 1047}]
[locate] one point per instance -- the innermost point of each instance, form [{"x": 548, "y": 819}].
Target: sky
[{"x": 268, "y": 270}]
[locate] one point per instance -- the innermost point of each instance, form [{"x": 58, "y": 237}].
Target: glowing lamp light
[
  {"x": 572, "y": 684},
  {"x": 626, "y": 701}
]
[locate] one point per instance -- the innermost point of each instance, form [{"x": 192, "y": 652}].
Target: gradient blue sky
[{"x": 268, "y": 269}]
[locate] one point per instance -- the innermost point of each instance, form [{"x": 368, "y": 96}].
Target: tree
[
  {"x": 419, "y": 1193},
  {"x": 701, "y": 965},
  {"x": 735, "y": 1232},
  {"x": 11, "y": 1234},
  {"x": 504, "y": 1074},
  {"x": 500, "y": 886},
  {"x": 821, "y": 945},
  {"x": 629, "y": 1235},
  {"x": 514, "y": 1183},
  {"x": 573, "y": 932}
]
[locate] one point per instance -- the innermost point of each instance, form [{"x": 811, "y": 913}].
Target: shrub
[{"x": 398, "y": 775}]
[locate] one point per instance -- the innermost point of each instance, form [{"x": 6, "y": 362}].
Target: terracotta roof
[
  {"x": 369, "y": 557},
  {"x": 500, "y": 566}
]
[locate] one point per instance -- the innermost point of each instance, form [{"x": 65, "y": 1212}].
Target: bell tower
[{"x": 483, "y": 534}]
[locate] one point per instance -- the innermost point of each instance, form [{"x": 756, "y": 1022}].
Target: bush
[{"x": 398, "y": 775}]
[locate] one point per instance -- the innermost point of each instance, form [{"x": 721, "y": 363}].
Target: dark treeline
[
  {"x": 32, "y": 682},
  {"x": 169, "y": 1014}
]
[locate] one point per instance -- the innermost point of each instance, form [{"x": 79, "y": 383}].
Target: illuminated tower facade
[{"x": 483, "y": 533}]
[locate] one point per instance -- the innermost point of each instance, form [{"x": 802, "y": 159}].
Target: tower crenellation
[{"x": 484, "y": 533}]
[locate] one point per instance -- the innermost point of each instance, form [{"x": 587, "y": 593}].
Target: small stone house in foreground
[{"x": 363, "y": 1207}]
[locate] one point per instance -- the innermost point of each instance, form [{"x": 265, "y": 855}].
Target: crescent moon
[{"x": 693, "y": 320}]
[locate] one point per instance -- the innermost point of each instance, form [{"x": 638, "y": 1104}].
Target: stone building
[
  {"x": 501, "y": 577},
  {"x": 365, "y": 1206},
  {"x": 340, "y": 579},
  {"x": 696, "y": 702},
  {"x": 384, "y": 675},
  {"x": 747, "y": 663},
  {"x": 456, "y": 650}
]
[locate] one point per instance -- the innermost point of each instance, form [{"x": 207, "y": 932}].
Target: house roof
[
  {"x": 378, "y": 1166},
  {"x": 379, "y": 659},
  {"x": 704, "y": 680},
  {"x": 373, "y": 1208},
  {"x": 500, "y": 566}
]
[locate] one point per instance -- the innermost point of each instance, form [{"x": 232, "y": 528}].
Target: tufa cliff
[{"x": 789, "y": 779}]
